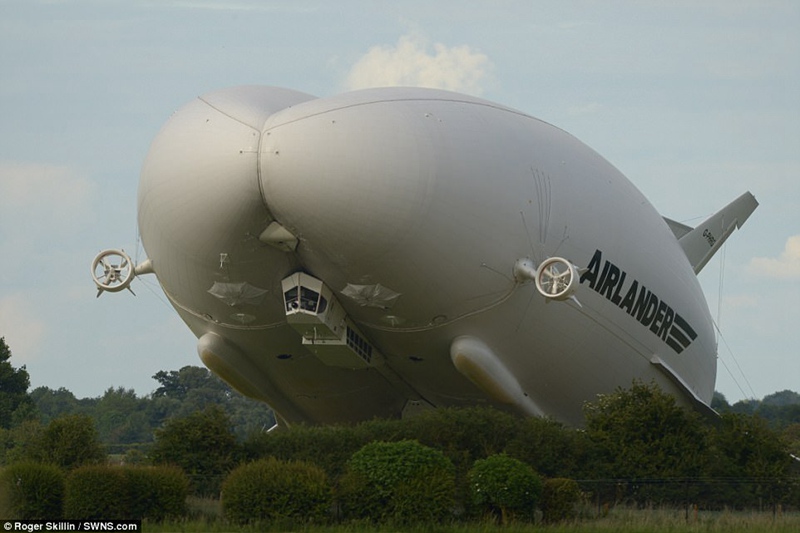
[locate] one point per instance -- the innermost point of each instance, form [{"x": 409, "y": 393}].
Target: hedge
[
  {"x": 156, "y": 492},
  {"x": 398, "y": 482},
  {"x": 31, "y": 491},
  {"x": 96, "y": 492},
  {"x": 276, "y": 491},
  {"x": 130, "y": 492}
]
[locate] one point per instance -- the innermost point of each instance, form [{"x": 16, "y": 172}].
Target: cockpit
[
  {"x": 312, "y": 311},
  {"x": 301, "y": 298}
]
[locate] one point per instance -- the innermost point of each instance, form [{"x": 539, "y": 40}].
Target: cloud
[
  {"x": 409, "y": 63},
  {"x": 785, "y": 266},
  {"x": 20, "y": 327}
]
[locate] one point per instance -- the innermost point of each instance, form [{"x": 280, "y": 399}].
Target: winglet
[{"x": 701, "y": 243}]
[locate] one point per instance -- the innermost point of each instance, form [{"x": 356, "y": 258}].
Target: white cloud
[
  {"x": 20, "y": 327},
  {"x": 409, "y": 63},
  {"x": 785, "y": 266}
]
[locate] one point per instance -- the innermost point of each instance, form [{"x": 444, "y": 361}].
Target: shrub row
[
  {"x": 396, "y": 483},
  {"x": 463, "y": 435},
  {"x": 400, "y": 483},
  {"x": 41, "y": 491}
]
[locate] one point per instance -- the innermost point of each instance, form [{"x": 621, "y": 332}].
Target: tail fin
[{"x": 701, "y": 243}]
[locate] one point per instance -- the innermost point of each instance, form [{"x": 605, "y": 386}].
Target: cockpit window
[
  {"x": 290, "y": 297},
  {"x": 308, "y": 299}
]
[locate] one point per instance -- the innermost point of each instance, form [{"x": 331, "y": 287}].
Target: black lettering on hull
[{"x": 640, "y": 303}]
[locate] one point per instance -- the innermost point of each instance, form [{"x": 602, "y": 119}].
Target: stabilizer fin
[
  {"x": 678, "y": 229},
  {"x": 701, "y": 243}
]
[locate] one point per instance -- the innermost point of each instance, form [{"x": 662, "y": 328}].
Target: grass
[{"x": 206, "y": 516}]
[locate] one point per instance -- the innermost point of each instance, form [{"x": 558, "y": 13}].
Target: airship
[{"x": 385, "y": 251}]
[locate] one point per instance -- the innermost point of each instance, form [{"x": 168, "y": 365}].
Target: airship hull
[{"x": 409, "y": 209}]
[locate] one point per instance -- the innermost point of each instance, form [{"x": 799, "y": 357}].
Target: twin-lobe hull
[{"x": 411, "y": 208}]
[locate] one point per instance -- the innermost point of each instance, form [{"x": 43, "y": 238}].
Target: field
[{"x": 617, "y": 520}]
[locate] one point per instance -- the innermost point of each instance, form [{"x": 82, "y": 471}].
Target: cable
[
  {"x": 721, "y": 283},
  {"x": 744, "y": 376}
]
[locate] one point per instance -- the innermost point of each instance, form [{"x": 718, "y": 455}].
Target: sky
[{"x": 695, "y": 102}]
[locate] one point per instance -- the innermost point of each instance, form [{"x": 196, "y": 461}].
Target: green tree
[
  {"x": 14, "y": 383},
  {"x": 505, "y": 486},
  {"x": 745, "y": 407},
  {"x": 781, "y": 398},
  {"x": 753, "y": 457},
  {"x": 719, "y": 402},
  {"x": 792, "y": 437},
  {"x": 178, "y": 383},
  {"x": 54, "y": 403},
  {"x": 68, "y": 442},
  {"x": 121, "y": 417},
  {"x": 398, "y": 482},
  {"x": 202, "y": 444},
  {"x": 193, "y": 389},
  {"x": 641, "y": 434},
  {"x": 18, "y": 441},
  {"x": 550, "y": 448}
]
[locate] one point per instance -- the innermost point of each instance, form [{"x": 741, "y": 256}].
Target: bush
[
  {"x": 31, "y": 491},
  {"x": 559, "y": 498},
  {"x": 463, "y": 435},
  {"x": 69, "y": 441},
  {"x": 96, "y": 492},
  {"x": 549, "y": 447},
  {"x": 329, "y": 447},
  {"x": 399, "y": 482},
  {"x": 156, "y": 493},
  {"x": 501, "y": 483},
  {"x": 273, "y": 490},
  {"x": 134, "y": 493},
  {"x": 202, "y": 444}
]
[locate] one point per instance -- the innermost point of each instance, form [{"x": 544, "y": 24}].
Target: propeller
[
  {"x": 555, "y": 277},
  {"x": 112, "y": 271}
]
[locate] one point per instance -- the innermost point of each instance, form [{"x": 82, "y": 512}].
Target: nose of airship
[
  {"x": 199, "y": 184},
  {"x": 349, "y": 175}
]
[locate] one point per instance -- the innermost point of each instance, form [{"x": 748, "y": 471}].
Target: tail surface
[{"x": 702, "y": 242}]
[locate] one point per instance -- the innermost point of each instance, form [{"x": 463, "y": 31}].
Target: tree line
[
  {"x": 637, "y": 445},
  {"x": 123, "y": 421}
]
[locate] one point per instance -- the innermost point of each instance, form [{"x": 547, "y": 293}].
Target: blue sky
[{"x": 695, "y": 102}]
